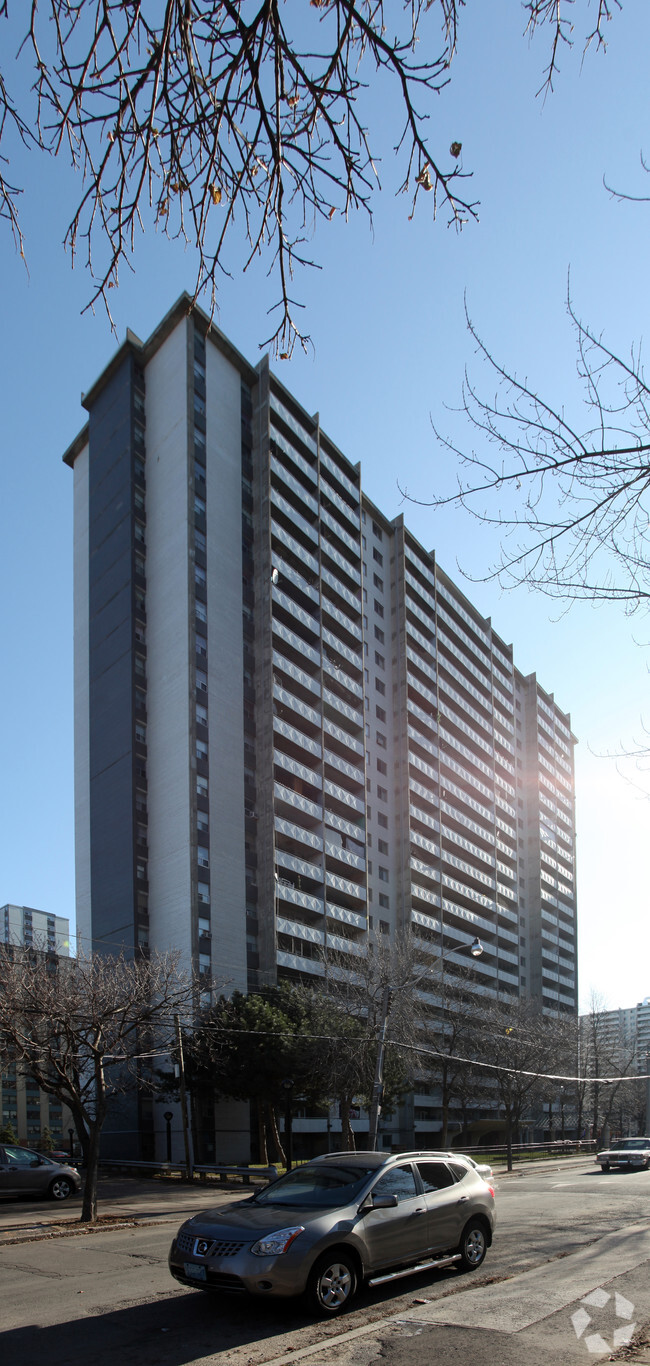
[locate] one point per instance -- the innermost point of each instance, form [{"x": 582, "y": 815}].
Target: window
[
  {"x": 435, "y": 1175},
  {"x": 201, "y": 714},
  {"x": 201, "y": 645},
  {"x": 383, "y": 875},
  {"x": 399, "y": 1181},
  {"x": 204, "y": 962},
  {"x": 382, "y": 768},
  {"x": 202, "y": 818},
  {"x": 382, "y": 819},
  {"x": 365, "y": 623},
  {"x": 382, "y": 847},
  {"x": 379, "y": 660},
  {"x": 380, "y": 686},
  {"x": 378, "y": 608},
  {"x": 377, "y": 555},
  {"x": 365, "y": 594},
  {"x": 370, "y": 870},
  {"x": 384, "y": 901},
  {"x": 201, "y": 680},
  {"x": 199, "y": 505},
  {"x": 377, "y": 531},
  {"x": 201, "y": 785},
  {"x": 378, "y": 582},
  {"x": 201, "y": 611},
  {"x": 200, "y": 575},
  {"x": 381, "y": 740},
  {"x": 379, "y": 635},
  {"x": 201, "y": 749},
  {"x": 140, "y": 733},
  {"x": 383, "y": 924},
  {"x": 204, "y": 893},
  {"x": 380, "y": 714},
  {"x": 382, "y": 792},
  {"x": 204, "y": 925},
  {"x": 200, "y": 541},
  {"x": 203, "y": 857}
]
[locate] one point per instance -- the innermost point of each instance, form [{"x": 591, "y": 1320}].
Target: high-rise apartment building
[
  {"x": 292, "y": 728},
  {"x": 28, "y": 1110}
]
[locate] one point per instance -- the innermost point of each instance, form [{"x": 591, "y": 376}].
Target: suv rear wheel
[{"x": 472, "y": 1246}]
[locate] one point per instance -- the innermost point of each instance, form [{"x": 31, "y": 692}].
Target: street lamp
[{"x": 476, "y": 949}]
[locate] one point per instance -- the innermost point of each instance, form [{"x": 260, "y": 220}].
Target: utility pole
[{"x": 181, "y": 1075}]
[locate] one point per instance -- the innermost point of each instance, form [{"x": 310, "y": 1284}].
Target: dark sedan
[{"x": 339, "y": 1220}]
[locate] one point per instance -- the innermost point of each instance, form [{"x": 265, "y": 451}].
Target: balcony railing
[{"x": 292, "y": 765}]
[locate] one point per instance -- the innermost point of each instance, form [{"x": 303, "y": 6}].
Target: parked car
[
  {"x": 26, "y": 1172},
  {"x": 626, "y": 1152},
  {"x": 339, "y": 1220}
]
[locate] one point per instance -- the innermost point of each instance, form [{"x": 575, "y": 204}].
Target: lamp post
[{"x": 476, "y": 949}]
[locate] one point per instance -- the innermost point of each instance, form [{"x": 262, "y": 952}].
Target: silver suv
[{"x": 339, "y": 1221}]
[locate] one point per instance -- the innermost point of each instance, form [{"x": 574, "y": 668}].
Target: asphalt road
[{"x": 106, "y": 1295}]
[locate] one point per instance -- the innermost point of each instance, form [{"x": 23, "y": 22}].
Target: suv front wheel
[{"x": 332, "y": 1284}]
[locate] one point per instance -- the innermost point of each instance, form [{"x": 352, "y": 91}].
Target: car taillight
[{"x": 491, "y": 1189}]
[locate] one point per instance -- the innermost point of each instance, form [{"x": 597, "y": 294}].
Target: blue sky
[{"x": 386, "y": 314}]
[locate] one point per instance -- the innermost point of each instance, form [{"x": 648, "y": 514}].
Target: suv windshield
[{"x": 321, "y": 1187}]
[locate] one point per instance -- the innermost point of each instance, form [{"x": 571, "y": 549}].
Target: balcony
[
  {"x": 340, "y": 944},
  {"x": 298, "y": 644},
  {"x": 279, "y": 469},
  {"x": 288, "y": 543},
  {"x": 307, "y": 619},
  {"x": 299, "y": 834},
  {"x": 344, "y": 737},
  {"x": 287, "y": 794},
  {"x": 308, "y": 775},
  {"x": 299, "y": 931},
  {"x": 353, "y": 571},
  {"x": 356, "y": 775},
  {"x": 328, "y": 464},
  {"x": 350, "y": 828},
  {"x": 293, "y": 516},
  {"x": 342, "y": 855},
  {"x": 285, "y": 666},
  {"x": 294, "y": 455},
  {"x": 333, "y": 700},
  {"x": 353, "y": 600},
  {"x": 288, "y": 699},
  {"x": 292, "y": 423},
  {"x": 421, "y": 664},
  {"x": 346, "y": 916},
  {"x": 423, "y": 843},
  {"x": 296, "y": 964},
  {"x": 332, "y": 523},
  {"x": 290, "y": 575},
  {"x": 342, "y": 884},
  {"x": 353, "y": 628},
  {"x": 424, "y": 869},
  {"x": 296, "y": 737},
  {"x": 295, "y": 897},
  {"x": 341, "y": 676},
  {"x": 351, "y": 514},
  {"x": 298, "y": 866},
  {"x": 343, "y": 795},
  {"x": 353, "y": 657}
]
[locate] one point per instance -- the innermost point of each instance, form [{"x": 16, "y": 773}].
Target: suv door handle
[
  {"x": 462, "y": 1199},
  {"x": 419, "y": 1211}
]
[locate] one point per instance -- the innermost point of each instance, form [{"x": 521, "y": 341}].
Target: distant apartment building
[
  {"x": 626, "y": 1029},
  {"x": 293, "y": 731},
  {"x": 29, "y": 1110}
]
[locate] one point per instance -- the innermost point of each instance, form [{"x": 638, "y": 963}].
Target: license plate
[{"x": 194, "y": 1272}]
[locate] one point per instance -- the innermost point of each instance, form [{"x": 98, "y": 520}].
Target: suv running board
[{"x": 432, "y": 1265}]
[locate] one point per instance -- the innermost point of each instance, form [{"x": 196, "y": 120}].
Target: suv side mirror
[{"x": 384, "y": 1201}]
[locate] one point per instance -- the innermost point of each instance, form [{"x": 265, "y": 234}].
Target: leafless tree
[
  {"x": 569, "y": 497},
  {"x": 211, "y": 113},
  {"x": 519, "y": 1046},
  {"x": 87, "y": 1029}
]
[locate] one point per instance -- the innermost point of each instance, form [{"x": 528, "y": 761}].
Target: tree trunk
[
  {"x": 509, "y": 1141},
  {"x": 91, "y": 1157},
  {"x": 261, "y": 1136},
  {"x": 347, "y": 1135},
  {"x": 280, "y": 1155}
]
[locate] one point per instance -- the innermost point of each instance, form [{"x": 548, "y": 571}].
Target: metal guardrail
[{"x": 203, "y": 1170}]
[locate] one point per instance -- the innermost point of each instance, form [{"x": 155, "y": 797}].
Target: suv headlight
[{"x": 275, "y": 1243}]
